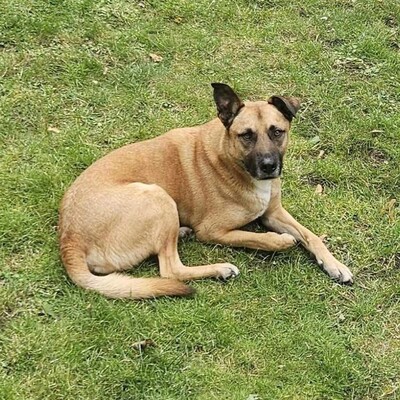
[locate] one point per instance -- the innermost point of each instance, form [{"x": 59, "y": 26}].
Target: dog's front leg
[
  {"x": 267, "y": 241},
  {"x": 279, "y": 220}
]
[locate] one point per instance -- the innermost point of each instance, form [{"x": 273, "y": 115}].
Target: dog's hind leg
[
  {"x": 144, "y": 221},
  {"x": 167, "y": 234},
  {"x": 172, "y": 267},
  {"x": 116, "y": 228}
]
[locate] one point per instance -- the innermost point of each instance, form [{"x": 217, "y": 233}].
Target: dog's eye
[
  {"x": 247, "y": 135},
  {"x": 278, "y": 132}
]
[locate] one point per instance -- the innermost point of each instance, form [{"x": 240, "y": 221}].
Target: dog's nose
[{"x": 268, "y": 165}]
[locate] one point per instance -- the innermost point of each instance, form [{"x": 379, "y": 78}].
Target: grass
[{"x": 76, "y": 80}]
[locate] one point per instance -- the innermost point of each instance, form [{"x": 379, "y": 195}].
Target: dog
[{"x": 213, "y": 178}]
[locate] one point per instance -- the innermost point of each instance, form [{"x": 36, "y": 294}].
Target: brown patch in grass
[
  {"x": 378, "y": 156},
  {"x": 391, "y": 21},
  {"x": 314, "y": 180}
]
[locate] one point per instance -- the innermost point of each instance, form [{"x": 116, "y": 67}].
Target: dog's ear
[
  {"x": 228, "y": 103},
  {"x": 288, "y": 106}
]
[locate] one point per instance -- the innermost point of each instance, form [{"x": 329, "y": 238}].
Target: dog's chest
[{"x": 262, "y": 196}]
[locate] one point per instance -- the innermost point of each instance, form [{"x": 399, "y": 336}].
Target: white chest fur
[{"x": 262, "y": 194}]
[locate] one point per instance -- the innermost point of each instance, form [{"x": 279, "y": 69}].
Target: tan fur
[{"x": 130, "y": 204}]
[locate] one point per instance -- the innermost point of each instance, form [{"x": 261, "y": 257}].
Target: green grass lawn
[{"x": 77, "y": 80}]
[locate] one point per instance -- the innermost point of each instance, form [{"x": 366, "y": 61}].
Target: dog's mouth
[
  {"x": 263, "y": 177},
  {"x": 264, "y": 168},
  {"x": 267, "y": 178}
]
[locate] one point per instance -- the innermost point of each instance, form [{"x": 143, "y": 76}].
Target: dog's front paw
[
  {"x": 287, "y": 241},
  {"x": 227, "y": 271},
  {"x": 338, "y": 271}
]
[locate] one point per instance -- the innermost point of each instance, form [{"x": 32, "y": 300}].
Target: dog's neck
[{"x": 262, "y": 185}]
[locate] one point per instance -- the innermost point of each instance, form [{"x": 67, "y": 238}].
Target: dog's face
[
  {"x": 258, "y": 138},
  {"x": 257, "y": 132}
]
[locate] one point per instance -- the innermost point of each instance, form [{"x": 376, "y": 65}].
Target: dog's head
[{"x": 257, "y": 132}]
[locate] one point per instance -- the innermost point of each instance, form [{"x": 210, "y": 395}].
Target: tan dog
[{"x": 214, "y": 178}]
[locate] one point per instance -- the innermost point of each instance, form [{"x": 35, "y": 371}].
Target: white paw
[
  {"x": 338, "y": 271},
  {"x": 227, "y": 271}
]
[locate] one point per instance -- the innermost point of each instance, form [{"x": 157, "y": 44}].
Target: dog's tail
[{"x": 117, "y": 285}]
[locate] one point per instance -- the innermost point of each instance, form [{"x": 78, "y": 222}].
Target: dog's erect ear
[
  {"x": 228, "y": 103},
  {"x": 288, "y": 106}
]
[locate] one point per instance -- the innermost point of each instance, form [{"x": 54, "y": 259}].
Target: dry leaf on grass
[
  {"x": 319, "y": 190},
  {"x": 376, "y": 132},
  {"x": 155, "y": 57},
  {"x": 53, "y": 129},
  {"x": 341, "y": 317},
  {"x": 389, "y": 208},
  {"x": 142, "y": 344}
]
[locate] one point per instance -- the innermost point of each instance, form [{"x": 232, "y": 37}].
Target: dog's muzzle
[{"x": 264, "y": 166}]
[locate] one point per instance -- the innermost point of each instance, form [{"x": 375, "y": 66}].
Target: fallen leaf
[
  {"x": 53, "y": 129},
  {"x": 390, "y": 209},
  {"x": 390, "y": 390},
  {"x": 319, "y": 190},
  {"x": 142, "y": 344},
  {"x": 253, "y": 397},
  {"x": 155, "y": 57}
]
